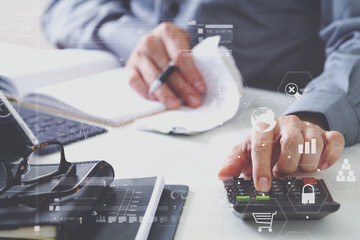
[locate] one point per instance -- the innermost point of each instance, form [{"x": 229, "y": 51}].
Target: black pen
[{"x": 163, "y": 77}]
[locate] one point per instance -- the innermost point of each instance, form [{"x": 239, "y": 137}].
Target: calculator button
[
  {"x": 295, "y": 193},
  {"x": 228, "y": 184},
  {"x": 243, "y": 198},
  {"x": 242, "y": 194},
  {"x": 277, "y": 194},
  {"x": 311, "y": 181},
  {"x": 262, "y": 198},
  {"x": 290, "y": 180},
  {"x": 276, "y": 181},
  {"x": 242, "y": 190},
  {"x": 296, "y": 199},
  {"x": 239, "y": 181},
  {"x": 295, "y": 189}
]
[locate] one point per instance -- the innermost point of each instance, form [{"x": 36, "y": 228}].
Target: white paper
[
  {"x": 29, "y": 68},
  {"x": 220, "y": 102},
  {"x": 106, "y": 97}
]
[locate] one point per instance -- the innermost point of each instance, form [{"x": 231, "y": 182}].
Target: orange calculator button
[{"x": 311, "y": 181}]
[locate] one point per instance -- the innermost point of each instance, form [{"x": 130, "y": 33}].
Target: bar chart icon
[{"x": 310, "y": 148}]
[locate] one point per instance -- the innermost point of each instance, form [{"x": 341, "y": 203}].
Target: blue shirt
[{"x": 271, "y": 38}]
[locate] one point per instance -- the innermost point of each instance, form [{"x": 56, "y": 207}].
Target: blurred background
[{"x": 20, "y": 23}]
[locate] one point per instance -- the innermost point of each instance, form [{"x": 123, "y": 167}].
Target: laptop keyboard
[{"x": 47, "y": 127}]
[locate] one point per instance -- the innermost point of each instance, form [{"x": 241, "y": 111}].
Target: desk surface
[{"x": 195, "y": 161}]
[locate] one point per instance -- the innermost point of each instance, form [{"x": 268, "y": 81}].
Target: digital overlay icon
[
  {"x": 264, "y": 218},
  {"x": 263, "y": 119},
  {"x": 346, "y": 168},
  {"x": 309, "y": 197},
  {"x": 310, "y": 148},
  {"x": 292, "y": 90},
  {"x": 229, "y": 89}
]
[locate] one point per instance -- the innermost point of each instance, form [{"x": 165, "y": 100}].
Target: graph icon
[{"x": 310, "y": 148}]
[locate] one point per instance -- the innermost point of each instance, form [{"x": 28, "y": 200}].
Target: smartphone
[{"x": 15, "y": 135}]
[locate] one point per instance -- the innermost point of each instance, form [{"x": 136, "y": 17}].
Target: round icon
[
  {"x": 263, "y": 119},
  {"x": 174, "y": 195},
  {"x": 292, "y": 90},
  {"x": 4, "y": 112}
]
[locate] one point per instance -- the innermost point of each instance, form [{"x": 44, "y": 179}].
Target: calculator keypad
[
  {"x": 291, "y": 198},
  {"x": 287, "y": 189}
]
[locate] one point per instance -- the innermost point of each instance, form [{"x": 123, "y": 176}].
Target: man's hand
[
  {"x": 152, "y": 54},
  {"x": 277, "y": 150}
]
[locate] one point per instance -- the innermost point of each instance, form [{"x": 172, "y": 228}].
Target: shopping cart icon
[{"x": 264, "y": 218}]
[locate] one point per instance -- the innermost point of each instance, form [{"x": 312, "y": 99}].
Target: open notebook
[{"x": 107, "y": 98}]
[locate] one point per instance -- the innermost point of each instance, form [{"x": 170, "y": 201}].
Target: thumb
[{"x": 234, "y": 163}]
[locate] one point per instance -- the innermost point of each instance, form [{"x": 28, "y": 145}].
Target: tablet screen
[{"x": 15, "y": 136}]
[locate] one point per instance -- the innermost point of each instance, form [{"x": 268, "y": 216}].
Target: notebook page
[
  {"x": 220, "y": 102},
  {"x": 29, "y": 68},
  {"x": 106, "y": 97}
]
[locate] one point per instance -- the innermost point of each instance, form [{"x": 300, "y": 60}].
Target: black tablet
[{"x": 15, "y": 136}]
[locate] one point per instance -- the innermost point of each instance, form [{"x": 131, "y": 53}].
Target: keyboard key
[
  {"x": 48, "y": 127},
  {"x": 60, "y": 121}
]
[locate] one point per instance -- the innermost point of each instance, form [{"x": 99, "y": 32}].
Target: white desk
[{"x": 195, "y": 161}]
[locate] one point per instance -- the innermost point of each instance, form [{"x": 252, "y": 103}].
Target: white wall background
[{"x": 20, "y": 22}]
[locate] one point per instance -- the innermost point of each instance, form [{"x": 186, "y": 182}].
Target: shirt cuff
[
  {"x": 335, "y": 107},
  {"x": 121, "y": 36}
]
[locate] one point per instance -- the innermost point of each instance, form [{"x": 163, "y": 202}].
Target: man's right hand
[{"x": 152, "y": 54}]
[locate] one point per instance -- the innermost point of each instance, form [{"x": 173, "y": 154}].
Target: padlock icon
[{"x": 308, "y": 198}]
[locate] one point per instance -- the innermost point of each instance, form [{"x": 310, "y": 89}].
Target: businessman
[{"x": 271, "y": 37}]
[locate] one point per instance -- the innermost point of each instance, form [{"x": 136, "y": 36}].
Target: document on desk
[
  {"x": 221, "y": 101},
  {"x": 107, "y": 98}
]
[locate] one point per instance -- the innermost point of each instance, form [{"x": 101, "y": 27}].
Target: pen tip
[{"x": 155, "y": 85}]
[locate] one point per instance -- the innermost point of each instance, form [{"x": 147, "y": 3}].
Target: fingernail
[
  {"x": 228, "y": 161},
  {"x": 200, "y": 86},
  {"x": 194, "y": 101},
  {"x": 171, "y": 103},
  {"x": 263, "y": 184},
  {"x": 324, "y": 166}
]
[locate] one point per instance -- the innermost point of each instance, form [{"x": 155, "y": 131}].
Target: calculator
[{"x": 288, "y": 199}]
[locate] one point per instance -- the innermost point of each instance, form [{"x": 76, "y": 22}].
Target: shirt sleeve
[
  {"x": 94, "y": 24},
  {"x": 336, "y": 92}
]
